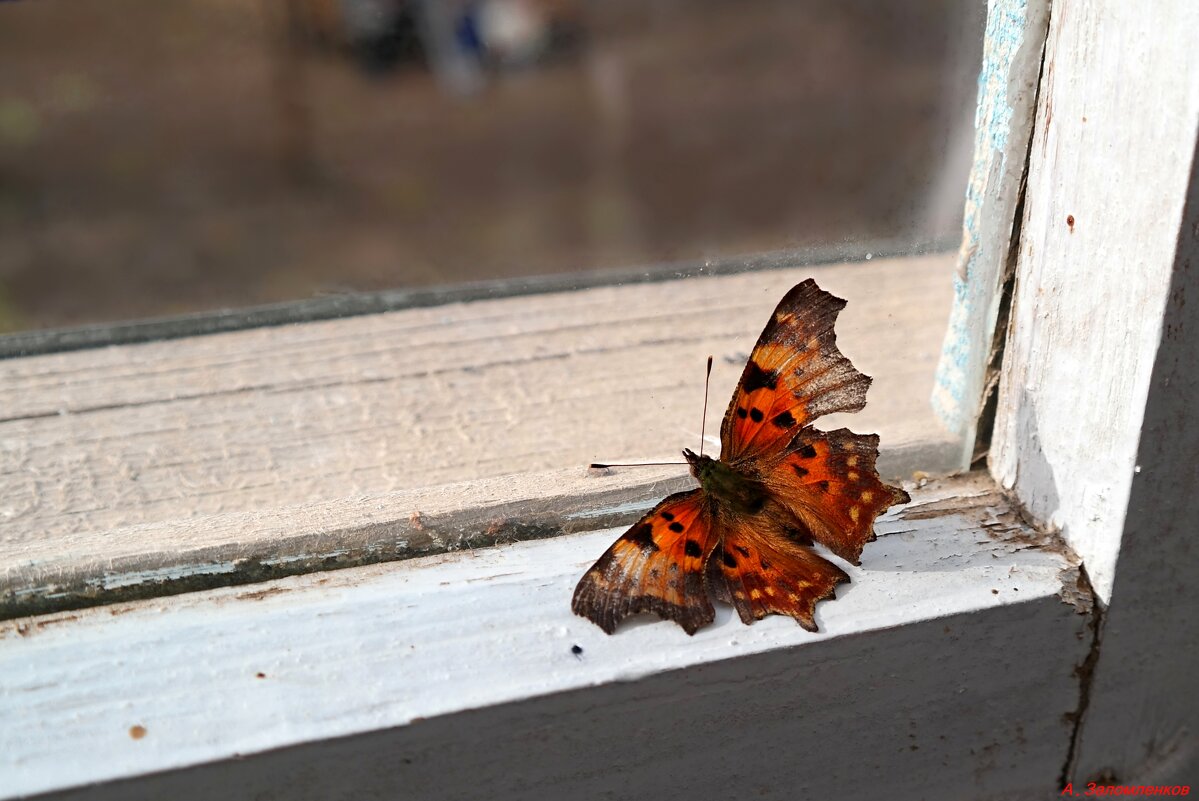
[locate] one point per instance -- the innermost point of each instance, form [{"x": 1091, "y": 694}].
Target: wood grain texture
[
  {"x": 1003, "y": 122},
  {"x": 1141, "y": 722},
  {"x": 1116, "y": 125},
  {"x": 454, "y": 676},
  {"x": 194, "y": 462}
]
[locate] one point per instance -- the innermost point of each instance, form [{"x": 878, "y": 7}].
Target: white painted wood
[
  {"x": 235, "y": 456},
  {"x": 1116, "y": 124},
  {"x": 1007, "y": 89},
  {"x": 1142, "y": 720},
  {"x": 423, "y": 660},
  {"x": 211, "y": 550}
]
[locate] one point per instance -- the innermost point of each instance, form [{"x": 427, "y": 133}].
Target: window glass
[{"x": 162, "y": 158}]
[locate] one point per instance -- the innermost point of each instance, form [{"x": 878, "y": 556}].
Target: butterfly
[{"x": 744, "y": 536}]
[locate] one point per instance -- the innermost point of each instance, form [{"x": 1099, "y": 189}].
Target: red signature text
[{"x": 1096, "y": 790}]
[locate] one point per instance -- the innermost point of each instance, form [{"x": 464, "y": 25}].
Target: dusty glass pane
[{"x": 160, "y": 158}]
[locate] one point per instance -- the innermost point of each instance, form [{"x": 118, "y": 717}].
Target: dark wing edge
[
  {"x": 657, "y": 566},
  {"x": 795, "y": 374}
]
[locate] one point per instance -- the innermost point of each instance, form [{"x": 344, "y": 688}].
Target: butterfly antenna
[
  {"x": 703, "y": 423},
  {"x": 598, "y": 466}
]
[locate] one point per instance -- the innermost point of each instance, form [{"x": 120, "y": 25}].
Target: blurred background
[{"x": 161, "y": 158}]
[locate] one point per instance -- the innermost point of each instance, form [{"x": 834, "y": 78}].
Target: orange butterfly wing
[
  {"x": 687, "y": 550},
  {"x": 827, "y": 479},
  {"x": 760, "y": 570},
  {"x": 656, "y": 566},
  {"x": 794, "y": 375}
]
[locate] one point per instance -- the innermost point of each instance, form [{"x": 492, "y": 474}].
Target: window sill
[{"x": 455, "y": 674}]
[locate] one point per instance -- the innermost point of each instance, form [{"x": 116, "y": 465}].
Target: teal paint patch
[{"x": 958, "y": 387}]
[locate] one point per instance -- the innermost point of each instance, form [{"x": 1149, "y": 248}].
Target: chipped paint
[
  {"x": 1015, "y": 35},
  {"x": 620, "y": 509},
  {"x": 116, "y": 581},
  {"x": 1076, "y": 590},
  {"x": 336, "y": 553}
]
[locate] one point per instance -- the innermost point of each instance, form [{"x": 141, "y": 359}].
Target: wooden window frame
[{"x": 991, "y": 662}]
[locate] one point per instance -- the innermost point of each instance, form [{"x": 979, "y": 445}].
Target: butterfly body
[
  {"x": 779, "y": 486},
  {"x": 724, "y": 484}
]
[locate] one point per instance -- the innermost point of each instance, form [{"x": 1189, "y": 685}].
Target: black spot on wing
[
  {"x": 691, "y": 548},
  {"x": 642, "y": 535},
  {"x": 756, "y": 414},
  {"x": 728, "y": 559},
  {"x": 742, "y": 413},
  {"x": 799, "y": 471},
  {"x": 756, "y": 378},
  {"x": 676, "y": 527},
  {"x": 667, "y": 516},
  {"x": 807, "y": 452},
  {"x": 784, "y": 420}
]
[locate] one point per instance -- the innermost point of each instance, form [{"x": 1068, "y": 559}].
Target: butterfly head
[{"x": 701, "y": 466}]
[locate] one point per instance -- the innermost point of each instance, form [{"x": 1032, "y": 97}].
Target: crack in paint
[{"x": 1085, "y": 672}]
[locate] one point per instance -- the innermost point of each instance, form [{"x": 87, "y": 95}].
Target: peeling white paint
[
  {"x": 634, "y": 507},
  {"x": 112, "y": 581}
]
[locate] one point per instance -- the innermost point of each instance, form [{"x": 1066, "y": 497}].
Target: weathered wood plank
[
  {"x": 1141, "y": 720},
  {"x": 453, "y": 676},
  {"x": 193, "y": 460},
  {"x": 1117, "y": 117},
  {"x": 335, "y": 306},
  {"x": 1007, "y": 90}
]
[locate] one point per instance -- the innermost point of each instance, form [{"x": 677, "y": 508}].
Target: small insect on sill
[{"x": 744, "y": 536}]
